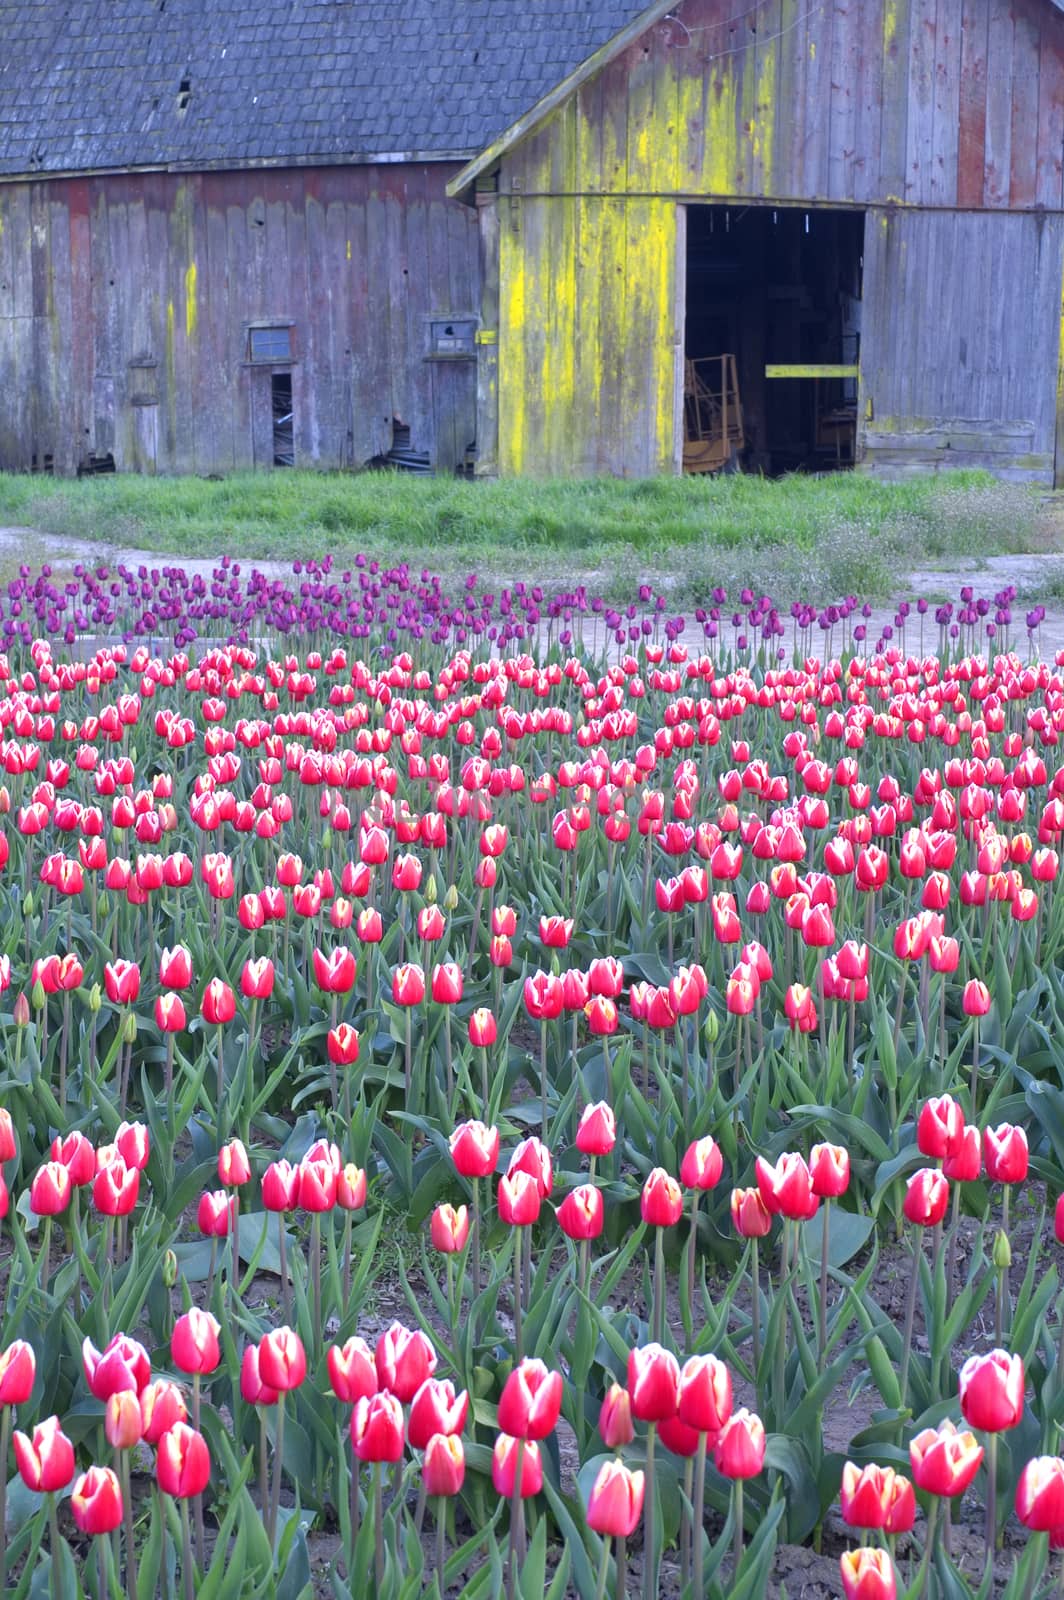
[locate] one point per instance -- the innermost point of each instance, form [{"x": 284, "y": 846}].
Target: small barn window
[
  {"x": 270, "y": 344},
  {"x": 452, "y": 337}
]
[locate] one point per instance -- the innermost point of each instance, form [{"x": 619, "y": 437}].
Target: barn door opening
[{"x": 772, "y": 340}]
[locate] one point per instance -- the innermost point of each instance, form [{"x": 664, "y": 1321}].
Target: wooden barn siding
[
  {"x": 921, "y": 102},
  {"x": 101, "y": 277},
  {"x": 959, "y": 351},
  {"x": 895, "y": 105}
]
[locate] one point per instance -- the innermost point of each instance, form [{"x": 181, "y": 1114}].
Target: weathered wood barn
[
  {"x": 858, "y": 200},
  {"x": 225, "y": 238},
  {"x": 570, "y": 236}
]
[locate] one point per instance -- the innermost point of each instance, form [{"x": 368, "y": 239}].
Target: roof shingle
[{"x": 93, "y": 84}]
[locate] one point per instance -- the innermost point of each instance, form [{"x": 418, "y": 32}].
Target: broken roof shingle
[{"x": 93, "y": 84}]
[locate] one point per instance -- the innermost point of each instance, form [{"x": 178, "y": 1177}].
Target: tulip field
[{"x": 499, "y": 1099}]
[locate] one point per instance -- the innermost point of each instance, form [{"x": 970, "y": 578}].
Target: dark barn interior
[{"x": 780, "y": 286}]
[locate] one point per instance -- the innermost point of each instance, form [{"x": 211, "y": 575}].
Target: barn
[
  {"x": 225, "y": 237},
  {"x": 561, "y": 236},
  {"x": 783, "y": 234}
]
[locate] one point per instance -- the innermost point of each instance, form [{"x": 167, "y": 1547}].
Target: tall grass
[{"x": 840, "y": 532}]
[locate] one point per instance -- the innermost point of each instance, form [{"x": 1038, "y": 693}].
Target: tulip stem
[
  {"x": 127, "y": 1507},
  {"x": 53, "y": 1545},
  {"x": 517, "y": 1524},
  {"x": 5, "y": 1441},
  {"x": 738, "y": 1527},
  {"x": 650, "y": 1575},
  {"x": 476, "y": 1244},
  {"x": 285, "y": 1295},
  {"x": 355, "y": 1508},
  {"x": 264, "y": 1489},
  {"x": 991, "y": 1498},
  {"x": 315, "y": 1275},
  {"x": 659, "y": 1285},
  {"x": 604, "y": 1569},
  {"x": 910, "y": 1313},
  {"x": 278, "y": 1460},
  {"x": 518, "y": 1339},
  {"x": 441, "y": 1537},
  {"x": 543, "y": 1074},
  {"x": 700, "y": 1514},
  {"x": 234, "y": 1287},
  {"x": 378, "y": 1524},
  {"x": 408, "y": 1071},
  {"x": 755, "y": 1273},
  {"x": 691, "y": 1254},
  {"x": 223, "y": 1124},
  {"x": 187, "y": 1577},
  {"x": 825, "y": 1241}
]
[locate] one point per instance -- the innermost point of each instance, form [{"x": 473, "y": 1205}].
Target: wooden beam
[
  {"x": 811, "y": 370},
  {"x": 558, "y": 96}
]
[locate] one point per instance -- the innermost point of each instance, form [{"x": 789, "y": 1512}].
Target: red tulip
[
  {"x": 377, "y": 1428},
  {"x": 867, "y": 1574},
  {"x": 926, "y": 1198},
  {"x": 8, "y": 1145},
  {"x": 739, "y": 1451},
  {"x": 342, "y": 1045},
  {"x": 234, "y": 1168},
  {"x": 597, "y": 1132},
  {"x": 702, "y": 1165},
  {"x": 1005, "y": 1152},
  {"x": 531, "y": 1401},
  {"x": 991, "y": 1391},
  {"x": 170, "y": 1013},
  {"x": 661, "y": 1201},
  {"x": 483, "y": 1030},
  {"x": 581, "y": 1213},
  {"x": 443, "y": 1469},
  {"x": 214, "y": 1215},
  {"x": 352, "y": 1370},
  {"x": 705, "y": 1400},
  {"x": 829, "y": 1169},
  {"x": 45, "y": 1461},
  {"x": 533, "y": 1157},
  {"x": 615, "y": 1503},
  {"x": 257, "y": 979},
  {"x": 50, "y": 1190},
  {"x": 750, "y": 1215},
  {"x": 653, "y": 1383},
  {"x": 318, "y": 1183},
  {"x": 1040, "y": 1494},
  {"x": 280, "y": 1186},
  {"x": 408, "y": 985},
  {"x": 866, "y": 1495},
  {"x": 282, "y": 1360},
  {"x": 902, "y": 1512},
  {"x": 161, "y": 1406},
  {"x": 183, "y": 1462},
  {"x": 519, "y": 1201},
  {"x": 133, "y": 1144},
  {"x": 939, "y": 1127},
  {"x": 447, "y": 983},
  {"x": 121, "y": 980},
  {"x": 449, "y": 1228},
  {"x": 787, "y": 1187},
  {"x": 976, "y": 999},
  {"x": 504, "y": 1459},
  {"x": 405, "y": 1358},
  {"x": 555, "y": 932},
  {"x": 123, "y": 1424},
  {"x": 219, "y": 1002},
  {"x": 474, "y": 1149},
  {"x": 175, "y": 968},
  {"x": 96, "y": 1503},
  {"x": 77, "y": 1155},
  {"x": 115, "y": 1189},
  {"x": 543, "y": 996},
  {"x": 966, "y": 1161},
  {"x": 123, "y": 1364},
  {"x": 945, "y": 1460},
  {"x": 615, "y": 1418},
  {"x": 194, "y": 1345},
  {"x": 351, "y": 1187},
  {"x": 434, "y": 1409}
]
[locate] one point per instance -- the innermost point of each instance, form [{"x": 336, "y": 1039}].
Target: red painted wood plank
[
  {"x": 1050, "y": 163},
  {"x": 1023, "y": 143},
  {"x": 998, "y": 105},
  {"x": 971, "y": 140}
]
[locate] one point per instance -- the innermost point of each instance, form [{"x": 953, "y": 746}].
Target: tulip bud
[
  {"x": 443, "y": 1469},
  {"x": 504, "y": 1458},
  {"x": 739, "y": 1451},
  {"x": 615, "y": 1418},
  {"x": 450, "y": 899},
  {"x": 1002, "y": 1251},
  {"x": 615, "y": 1503},
  {"x": 122, "y": 1422},
  {"x": 867, "y": 1574}
]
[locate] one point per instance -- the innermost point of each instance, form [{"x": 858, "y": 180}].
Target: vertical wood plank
[
  {"x": 921, "y": 113},
  {"x": 869, "y": 100},
  {"x": 971, "y": 133},
  {"x": 842, "y": 120},
  {"x": 1023, "y": 135},
  {"x": 894, "y": 123},
  {"x": 947, "y": 88},
  {"x": 1050, "y": 160},
  {"x": 996, "y": 181}
]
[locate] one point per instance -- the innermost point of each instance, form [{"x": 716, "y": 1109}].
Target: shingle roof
[{"x": 95, "y": 84}]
